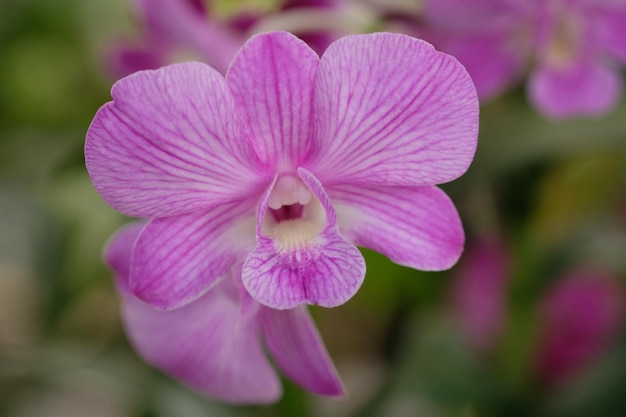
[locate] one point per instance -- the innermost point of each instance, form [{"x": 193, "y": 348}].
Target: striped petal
[
  {"x": 298, "y": 349},
  {"x": 177, "y": 259},
  {"x": 170, "y": 143},
  {"x": 272, "y": 83},
  {"x": 208, "y": 345},
  {"x": 417, "y": 227},
  {"x": 391, "y": 110}
]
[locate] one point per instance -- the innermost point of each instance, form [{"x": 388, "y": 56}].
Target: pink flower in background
[
  {"x": 217, "y": 344},
  {"x": 479, "y": 294},
  {"x": 574, "y": 46},
  {"x": 173, "y": 30},
  {"x": 286, "y": 165},
  {"x": 186, "y": 29},
  {"x": 579, "y": 317}
]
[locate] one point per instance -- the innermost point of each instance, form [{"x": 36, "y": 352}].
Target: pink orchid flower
[
  {"x": 579, "y": 317},
  {"x": 175, "y": 30},
  {"x": 216, "y": 344},
  {"x": 574, "y": 47},
  {"x": 286, "y": 165}
]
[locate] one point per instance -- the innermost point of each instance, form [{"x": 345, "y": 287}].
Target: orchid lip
[{"x": 295, "y": 216}]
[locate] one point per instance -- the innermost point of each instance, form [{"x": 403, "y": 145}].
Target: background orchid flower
[
  {"x": 216, "y": 344},
  {"x": 580, "y": 316},
  {"x": 189, "y": 29},
  {"x": 479, "y": 294},
  {"x": 574, "y": 47},
  {"x": 172, "y": 30},
  {"x": 320, "y": 155}
]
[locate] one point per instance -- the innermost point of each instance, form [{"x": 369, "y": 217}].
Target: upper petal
[
  {"x": 169, "y": 143},
  {"x": 582, "y": 89},
  {"x": 272, "y": 82},
  {"x": 177, "y": 259},
  {"x": 299, "y": 351},
  {"x": 391, "y": 110},
  {"x": 417, "y": 227},
  {"x": 320, "y": 267}
]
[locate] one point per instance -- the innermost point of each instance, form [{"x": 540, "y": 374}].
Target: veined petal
[
  {"x": 417, "y": 227},
  {"x": 177, "y": 259},
  {"x": 272, "y": 81},
  {"x": 315, "y": 268},
  {"x": 209, "y": 344},
  {"x": 584, "y": 89},
  {"x": 298, "y": 350},
  {"x": 170, "y": 143},
  {"x": 391, "y": 110}
]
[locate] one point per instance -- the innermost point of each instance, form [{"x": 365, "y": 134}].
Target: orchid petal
[
  {"x": 124, "y": 60},
  {"x": 417, "y": 227},
  {"x": 120, "y": 247},
  {"x": 272, "y": 82},
  {"x": 585, "y": 89},
  {"x": 208, "y": 345},
  {"x": 158, "y": 14},
  {"x": 296, "y": 345},
  {"x": 328, "y": 270},
  {"x": 612, "y": 30},
  {"x": 461, "y": 15},
  {"x": 177, "y": 259},
  {"x": 169, "y": 143},
  {"x": 391, "y": 110}
]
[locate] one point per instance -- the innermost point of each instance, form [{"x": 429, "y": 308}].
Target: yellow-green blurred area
[{"x": 554, "y": 193}]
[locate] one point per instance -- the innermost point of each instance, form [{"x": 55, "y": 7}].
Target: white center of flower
[{"x": 295, "y": 216}]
